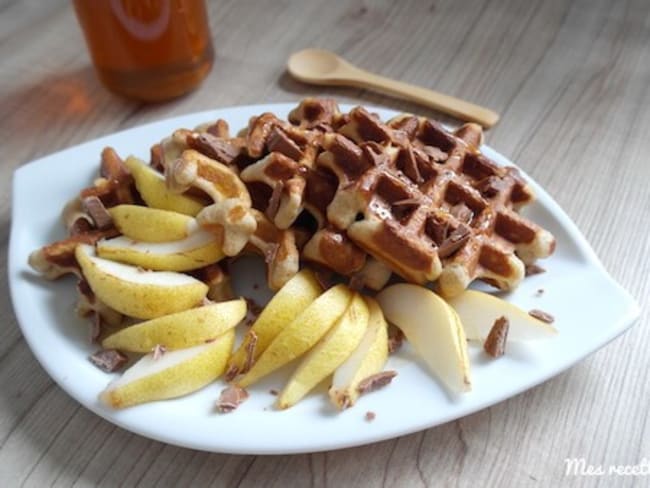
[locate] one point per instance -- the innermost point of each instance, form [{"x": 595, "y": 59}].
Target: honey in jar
[{"x": 149, "y": 50}]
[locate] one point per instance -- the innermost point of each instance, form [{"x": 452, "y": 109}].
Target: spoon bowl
[
  {"x": 322, "y": 67},
  {"x": 315, "y": 65}
]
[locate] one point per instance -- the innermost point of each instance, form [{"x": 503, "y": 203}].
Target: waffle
[
  {"x": 365, "y": 198},
  {"x": 428, "y": 204}
]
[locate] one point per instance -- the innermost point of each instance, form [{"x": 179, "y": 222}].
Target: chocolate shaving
[
  {"x": 454, "y": 242},
  {"x": 158, "y": 351},
  {"x": 495, "y": 344},
  {"x": 270, "y": 253},
  {"x": 230, "y": 398},
  {"x": 541, "y": 315},
  {"x": 97, "y": 211},
  {"x": 253, "y": 310},
  {"x": 95, "y": 327},
  {"x": 533, "y": 269},
  {"x": 370, "y": 416},
  {"x": 274, "y": 201},
  {"x": 108, "y": 360},
  {"x": 250, "y": 351},
  {"x": 406, "y": 201},
  {"x": 376, "y": 381},
  {"x": 231, "y": 372}
]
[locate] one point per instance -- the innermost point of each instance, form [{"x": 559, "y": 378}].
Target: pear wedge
[
  {"x": 179, "y": 330},
  {"x": 301, "y": 334},
  {"x": 433, "y": 329},
  {"x": 368, "y": 358},
  {"x": 328, "y": 354},
  {"x": 478, "y": 311},
  {"x": 152, "y": 188},
  {"x": 150, "y": 224},
  {"x": 294, "y": 297},
  {"x": 199, "y": 249},
  {"x": 175, "y": 374},
  {"x": 135, "y": 292}
]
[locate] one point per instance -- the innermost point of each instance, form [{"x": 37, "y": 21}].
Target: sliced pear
[
  {"x": 175, "y": 374},
  {"x": 179, "y": 330},
  {"x": 328, "y": 354},
  {"x": 199, "y": 249},
  {"x": 300, "y": 335},
  {"x": 150, "y": 224},
  {"x": 478, "y": 311},
  {"x": 367, "y": 359},
  {"x": 153, "y": 190},
  {"x": 294, "y": 297},
  {"x": 433, "y": 329},
  {"x": 135, "y": 292}
]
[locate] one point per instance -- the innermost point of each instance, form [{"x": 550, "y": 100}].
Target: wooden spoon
[{"x": 321, "y": 67}]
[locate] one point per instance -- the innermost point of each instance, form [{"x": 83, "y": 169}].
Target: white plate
[{"x": 590, "y": 310}]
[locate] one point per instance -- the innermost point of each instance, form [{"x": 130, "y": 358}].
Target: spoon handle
[{"x": 430, "y": 98}]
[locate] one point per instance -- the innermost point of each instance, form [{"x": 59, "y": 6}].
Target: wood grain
[{"x": 571, "y": 80}]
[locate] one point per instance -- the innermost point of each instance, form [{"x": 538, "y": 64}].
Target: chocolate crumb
[
  {"x": 540, "y": 292},
  {"x": 541, "y": 315},
  {"x": 274, "y": 392},
  {"x": 495, "y": 344},
  {"x": 256, "y": 286},
  {"x": 533, "y": 269},
  {"x": 108, "y": 360},
  {"x": 370, "y": 416},
  {"x": 231, "y": 398},
  {"x": 376, "y": 381},
  {"x": 395, "y": 339}
]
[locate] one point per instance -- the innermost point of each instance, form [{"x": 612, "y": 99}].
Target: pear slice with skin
[
  {"x": 368, "y": 358},
  {"x": 301, "y": 334},
  {"x": 478, "y": 311},
  {"x": 152, "y": 188},
  {"x": 294, "y": 297},
  {"x": 328, "y": 354},
  {"x": 179, "y": 330},
  {"x": 199, "y": 249},
  {"x": 136, "y": 292},
  {"x": 174, "y": 374},
  {"x": 150, "y": 224},
  {"x": 433, "y": 329}
]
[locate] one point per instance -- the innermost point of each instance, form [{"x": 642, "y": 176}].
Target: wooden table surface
[{"x": 571, "y": 80}]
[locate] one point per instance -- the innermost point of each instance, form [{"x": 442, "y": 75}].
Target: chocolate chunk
[
  {"x": 108, "y": 360},
  {"x": 495, "y": 344},
  {"x": 231, "y": 398},
  {"x": 434, "y": 153},
  {"x": 94, "y": 207},
  {"x": 279, "y": 142},
  {"x": 541, "y": 315},
  {"x": 454, "y": 242},
  {"x": 376, "y": 381},
  {"x": 213, "y": 147},
  {"x": 274, "y": 201},
  {"x": 533, "y": 269},
  {"x": 491, "y": 186}
]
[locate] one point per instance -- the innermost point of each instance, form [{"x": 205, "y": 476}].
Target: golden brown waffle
[
  {"x": 428, "y": 204},
  {"x": 367, "y": 197}
]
